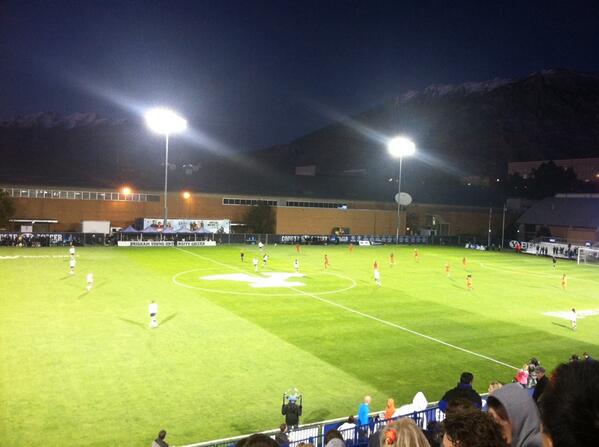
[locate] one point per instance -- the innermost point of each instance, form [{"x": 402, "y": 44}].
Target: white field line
[{"x": 372, "y": 317}]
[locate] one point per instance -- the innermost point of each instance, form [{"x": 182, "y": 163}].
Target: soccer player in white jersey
[
  {"x": 265, "y": 259},
  {"x": 255, "y": 262},
  {"x": 260, "y": 245},
  {"x": 90, "y": 281},
  {"x": 296, "y": 266},
  {"x": 72, "y": 250},
  {"x": 153, "y": 310},
  {"x": 72, "y": 265},
  {"x": 377, "y": 274},
  {"x": 573, "y": 319}
]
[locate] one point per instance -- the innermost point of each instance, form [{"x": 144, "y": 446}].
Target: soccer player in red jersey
[
  {"x": 392, "y": 259},
  {"x": 326, "y": 262},
  {"x": 297, "y": 248},
  {"x": 469, "y": 282},
  {"x": 351, "y": 247},
  {"x": 448, "y": 269}
]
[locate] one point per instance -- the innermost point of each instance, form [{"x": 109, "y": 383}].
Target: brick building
[{"x": 66, "y": 207}]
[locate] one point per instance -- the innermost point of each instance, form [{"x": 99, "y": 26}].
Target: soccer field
[{"x": 85, "y": 369}]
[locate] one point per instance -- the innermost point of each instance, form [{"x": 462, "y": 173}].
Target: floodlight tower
[
  {"x": 400, "y": 147},
  {"x": 165, "y": 122}
]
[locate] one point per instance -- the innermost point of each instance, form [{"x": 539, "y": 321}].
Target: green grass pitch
[{"x": 85, "y": 369}]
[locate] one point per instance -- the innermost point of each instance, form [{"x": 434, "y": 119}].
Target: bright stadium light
[
  {"x": 186, "y": 195},
  {"x": 165, "y": 122},
  {"x": 400, "y": 147},
  {"x": 126, "y": 190}
]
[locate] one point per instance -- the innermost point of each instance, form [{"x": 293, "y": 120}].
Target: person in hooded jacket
[{"x": 517, "y": 414}]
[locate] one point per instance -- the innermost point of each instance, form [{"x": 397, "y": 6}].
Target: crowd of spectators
[{"x": 560, "y": 409}]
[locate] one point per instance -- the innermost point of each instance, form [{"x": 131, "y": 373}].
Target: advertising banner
[{"x": 199, "y": 225}]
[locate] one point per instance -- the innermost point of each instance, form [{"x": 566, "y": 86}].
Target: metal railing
[{"x": 353, "y": 436}]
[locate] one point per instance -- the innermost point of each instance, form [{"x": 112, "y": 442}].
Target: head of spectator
[
  {"x": 493, "y": 386},
  {"x": 257, "y": 440},
  {"x": 586, "y": 356},
  {"x": 351, "y": 420},
  {"x": 367, "y": 400},
  {"x": 570, "y": 406},
  {"x": 540, "y": 372},
  {"x": 466, "y": 378},
  {"x": 403, "y": 433},
  {"x": 390, "y": 410},
  {"x": 283, "y": 428},
  {"x": 460, "y": 404},
  {"x": 517, "y": 414},
  {"x": 333, "y": 438},
  {"x": 574, "y": 358},
  {"x": 472, "y": 428}
]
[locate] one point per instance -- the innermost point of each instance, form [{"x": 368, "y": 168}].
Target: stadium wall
[{"x": 361, "y": 217}]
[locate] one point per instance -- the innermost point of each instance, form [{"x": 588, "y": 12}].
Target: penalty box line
[{"x": 370, "y": 317}]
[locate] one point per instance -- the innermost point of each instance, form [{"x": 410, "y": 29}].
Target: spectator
[
  {"x": 159, "y": 441},
  {"x": 347, "y": 429},
  {"x": 403, "y": 433},
  {"x": 460, "y": 404},
  {"x": 522, "y": 376},
  {"x": 472, "y": 428},
  {"x": 292, "y": 412},
  {"x": 364, "y": 410},
  {"x": 281, "y": 437},
  {"x": 516, "y": 413},
  {"x": 390, "y": 410},
  {"x": 493, "y": 386},
  {"x": 333, "y": 439},
  {"x": 569, "y": 406},
  {"x": 257, "y": 440},
  {"x": 574, "y": 358},
  {"x": 462, "y": 390},
  {"x": 542, "y": 382},
  {"x": 586, "y": 356}
]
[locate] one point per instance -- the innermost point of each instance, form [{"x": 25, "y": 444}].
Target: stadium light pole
[
  {"x": 165, "y": 122},
  {"x": 400, "y": 147}
]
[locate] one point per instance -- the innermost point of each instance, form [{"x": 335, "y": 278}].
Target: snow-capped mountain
[{"x": 466, "y": 88}]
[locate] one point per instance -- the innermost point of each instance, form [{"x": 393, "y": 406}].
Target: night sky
[{"x": 255, "y": 73}]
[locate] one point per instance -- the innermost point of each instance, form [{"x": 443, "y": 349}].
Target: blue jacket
[{"x": 363, "y": 414}]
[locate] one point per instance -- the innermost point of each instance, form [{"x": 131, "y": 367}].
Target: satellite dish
[{"x": 403, "y": 198}]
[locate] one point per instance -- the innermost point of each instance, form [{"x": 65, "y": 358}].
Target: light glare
[
  {"x": 186, "y": 195},
  {"x": 126, "y": 190},
  {"x": 165, "y": 121},
  {"x": 401, "y": 147}
]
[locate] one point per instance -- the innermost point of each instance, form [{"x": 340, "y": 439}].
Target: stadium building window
[{"x": 249, "y": 202}]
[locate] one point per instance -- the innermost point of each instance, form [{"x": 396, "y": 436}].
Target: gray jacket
[{"x": 523, "y": 414}]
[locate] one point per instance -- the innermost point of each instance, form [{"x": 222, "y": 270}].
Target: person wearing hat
[{"x": 542, "y": 382}]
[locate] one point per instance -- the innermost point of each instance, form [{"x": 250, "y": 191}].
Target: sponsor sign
[{"x": 196, "y": 244}]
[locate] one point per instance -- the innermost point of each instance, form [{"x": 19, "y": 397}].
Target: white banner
[
  {"x": 364, "y": 243},
  {"x": 208, "y": 225},
  {"x": 196, "y": 244},
  {"x": 146, "y": 244}
]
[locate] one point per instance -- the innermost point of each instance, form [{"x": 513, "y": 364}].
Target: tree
[
  {"x": 7, "y": 209},
  {"x": 261, "y": 219}
]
